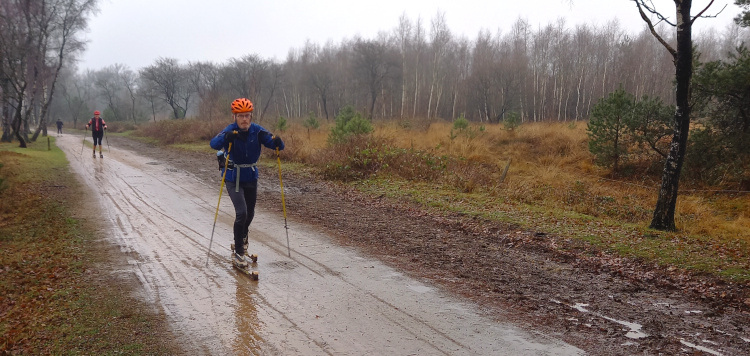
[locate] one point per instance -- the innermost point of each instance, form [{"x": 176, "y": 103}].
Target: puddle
[
  {"x": 635, "y": 329},
  {"x": 419, "y": 289},
  {"x": 701, "y": 348}
]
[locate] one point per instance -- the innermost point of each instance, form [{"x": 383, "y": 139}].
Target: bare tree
[
  {"x": 403, "y": 37},
  {"x": 205, "y": 78},
  {"x": 36, "y": 40},
  {"x": 129, "y": 80},
  {"x": 109, "y": 85},
  {"x": 481, "y": 79},
  {"x": 419, "y": 44},
  {"x": 67, "y": 19},
  {"x": 320, "y": 76},
  {"x": 17, "y": 38},
  {"x": 663, "y": 218},
  {"x": 170, "y": 79},
  {"x": 269, "y": 83},
  {"x": 149, "y": 91},
  {"x": 373, "y": 63},
  {"x": 440, "y": 37},
  {"x": 76, "y": 96}
]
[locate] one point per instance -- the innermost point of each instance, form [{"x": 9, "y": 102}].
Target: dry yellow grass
[{"x": 550, "y": 167}]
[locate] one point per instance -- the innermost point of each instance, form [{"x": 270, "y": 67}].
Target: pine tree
[
  {"x": 743, "y": 19},
  {"x": 608, "y": 128}
]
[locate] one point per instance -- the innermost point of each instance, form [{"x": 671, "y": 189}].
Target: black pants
[
  {"x": 97, "y": 135},
  {"x": 244, "y": 208}
]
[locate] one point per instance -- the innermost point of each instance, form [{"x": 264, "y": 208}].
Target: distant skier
[
  {"x": 59, "y": 126},
  {"x": 242, "y": 174},
  {"x": 98, "y": 126}
]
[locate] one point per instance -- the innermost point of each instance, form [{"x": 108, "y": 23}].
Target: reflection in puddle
[{"x": 246, "y": 340}]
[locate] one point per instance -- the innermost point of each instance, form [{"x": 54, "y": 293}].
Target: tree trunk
[
  {"x": 416, "y": 87},
  {"x": 665, "y": 205},
  {"x": 17, "y": 126},
  {"x": 5, "y": 113}
]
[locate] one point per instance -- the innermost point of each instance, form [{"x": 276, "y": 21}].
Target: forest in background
[{"x": 549, "y": 72}]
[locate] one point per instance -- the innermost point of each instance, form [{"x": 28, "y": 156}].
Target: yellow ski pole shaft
[
  {"x": 221, "y": 190},
  {"x": 283, "y": 203}
]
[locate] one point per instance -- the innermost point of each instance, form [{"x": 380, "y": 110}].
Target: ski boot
[
  {"x": 94, "y": 154},
  {"x": 253, "y": 257},
  {"x": 240, "y": 264},
  {"x": 239, "y": 261},
  {"x": 101, "y": 155}
]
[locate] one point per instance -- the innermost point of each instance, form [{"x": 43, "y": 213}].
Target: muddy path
[{"x": 314, "y": 297}]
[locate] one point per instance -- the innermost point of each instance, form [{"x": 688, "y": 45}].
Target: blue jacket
[{"x": 245, "y": 149}]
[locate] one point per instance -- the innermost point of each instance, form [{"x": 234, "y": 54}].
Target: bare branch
[
  {"x": 700, "y": 14},
  {"x": 652, "y": 9},
  {"x": 645, "y": 18}
]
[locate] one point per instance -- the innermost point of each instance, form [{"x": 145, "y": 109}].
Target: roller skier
[
  {"x": 98, "y": 126},
  {"x": 242, "y": 141}
]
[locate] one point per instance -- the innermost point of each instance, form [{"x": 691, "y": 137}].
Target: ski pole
[
  {"x": 283, "y": 203},
  {"x": 84, "y": 139},
  {"x": 221, "y": 190},
  {"x": 106, "y": 139}
]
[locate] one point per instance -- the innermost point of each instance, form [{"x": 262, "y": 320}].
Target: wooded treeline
[
  {"x": 550, "y": 72},
  {"x": 417, "y": 69}
]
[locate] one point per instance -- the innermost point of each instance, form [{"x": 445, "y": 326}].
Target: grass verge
[{"x": 56, "y": 297}]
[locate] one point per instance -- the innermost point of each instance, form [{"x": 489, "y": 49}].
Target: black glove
[
  {"x": 276, "y": 141},
  {"x": 230, "y": 136}
]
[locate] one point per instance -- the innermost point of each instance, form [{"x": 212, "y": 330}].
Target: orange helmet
[
  {"x": 97, "y": 112},
  {"x": 241, "y": 105}
]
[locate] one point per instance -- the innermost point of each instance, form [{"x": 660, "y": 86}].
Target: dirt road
[{"x": 324, "y": 299}]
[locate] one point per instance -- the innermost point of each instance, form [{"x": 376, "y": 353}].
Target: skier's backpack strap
[{"x": 237, "y": 178}]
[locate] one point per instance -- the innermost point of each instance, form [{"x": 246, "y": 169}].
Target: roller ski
[{"x": 240, "y": 263}]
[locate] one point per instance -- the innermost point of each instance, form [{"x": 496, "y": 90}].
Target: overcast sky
[{"x": 137, "y": 32}]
